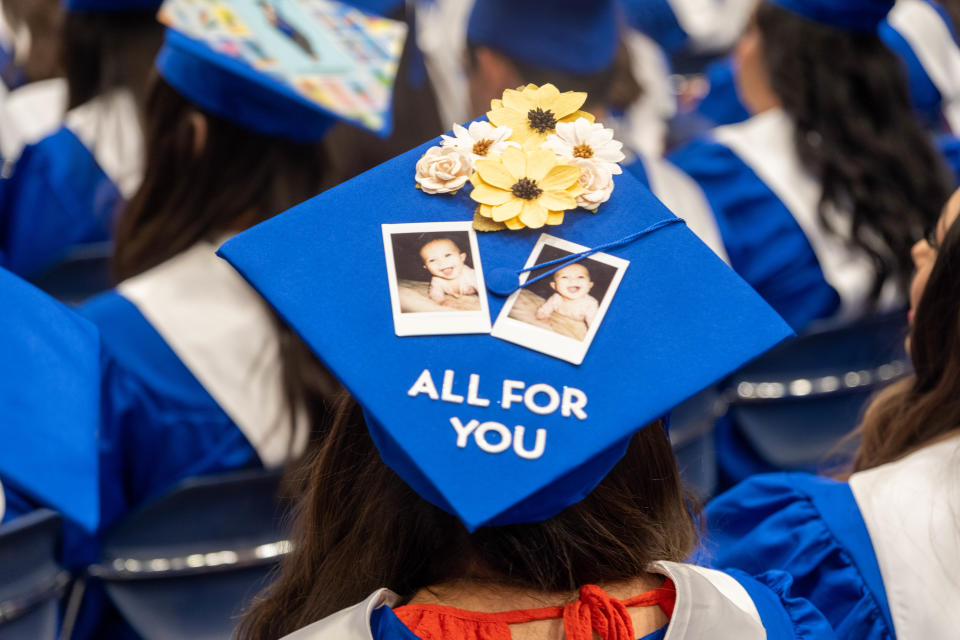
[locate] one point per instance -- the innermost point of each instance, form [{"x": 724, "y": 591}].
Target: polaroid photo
[
  {"x": 436, "y": 280},
  {"x": 560, "y": 314}
]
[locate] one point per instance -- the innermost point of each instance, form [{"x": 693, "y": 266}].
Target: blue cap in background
[
  {"x": 111, "y": 5},
  {"x": 572, "y": 36},
  {"x": 850, "y": 15}
]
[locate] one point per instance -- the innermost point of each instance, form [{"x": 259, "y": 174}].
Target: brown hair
[
  {"x": 236, "y": 180},
  {"x": 926, "y": 406},
  {"x": 359, "y": 527},
  {"x": 104, "y": 50}
]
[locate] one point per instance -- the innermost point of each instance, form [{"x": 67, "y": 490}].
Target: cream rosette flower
[
  {"x": 534, "y": 112},
  {"x": 443, "y": 170},
  {"x": 479, "y": 140},
  {"x": 596, "y": 181},
  {"x": 525, "y": 188},
  {"x": 589, "y": 141}
]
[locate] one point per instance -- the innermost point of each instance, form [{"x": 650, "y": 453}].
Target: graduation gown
[
  {"x": 67, "y": 187},
  {"x": 710, "y": 604},
  {"x": 877, "y": 555}
]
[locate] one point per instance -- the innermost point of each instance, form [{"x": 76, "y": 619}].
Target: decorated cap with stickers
[
  {"x": 511, "y": 323},
  {"x": 289, "y": 68}
]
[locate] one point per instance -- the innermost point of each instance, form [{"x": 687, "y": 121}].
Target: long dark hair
[
  {"x": 925, "y": 406},
  {"x": 108, "y": 50},
  {"x": 360, "y": 527},
  {"x": 857, "y": 134},
  {"x": 237, "y": 179}
]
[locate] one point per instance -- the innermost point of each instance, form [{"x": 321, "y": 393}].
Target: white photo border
[
  {"x": 435, "y": 323},
  {"x": 547, "y": 341}
]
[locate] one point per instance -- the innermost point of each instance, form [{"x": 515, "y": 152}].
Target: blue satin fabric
[
  {"x": 765, "y": 244},
  {"x": 810, "y": 528},
  {"x": 924, "y": 94},
  {"x": 722, "y": 104},
  {"x": 56, "y": 197},
  {"x": 639, "y": 171}
]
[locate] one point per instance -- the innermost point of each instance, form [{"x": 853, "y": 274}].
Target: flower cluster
[{"x": 537, "y": 156}]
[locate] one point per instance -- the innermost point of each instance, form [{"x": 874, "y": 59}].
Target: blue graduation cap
[
  {"x": 850, "y": 15},
  {"x": 49, "y": 401},
  {"x": 290, "y": 69},
  {"x": 482, "y": 427},
  {"x": 379, "y": 7},
  {"x": 111, "y": 5},
  {"x": 574, "y": 36}
]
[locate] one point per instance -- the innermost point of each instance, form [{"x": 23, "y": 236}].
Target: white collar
[
  {"x": 30, "y": 113},
  {"x": 109, "y": 126},
  {"x": 766, "y": 144},
  {"x": 710, "y": 606},
  {"x": 224, "y": 333},
  {"x": 912, "y": 511}
]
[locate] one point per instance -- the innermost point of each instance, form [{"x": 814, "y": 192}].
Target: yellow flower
[
  {"x": 525, "y": 188},
  {"x": 533, "y": 112}
]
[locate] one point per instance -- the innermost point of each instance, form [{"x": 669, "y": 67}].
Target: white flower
[
  {"x": 479, "y": 139},
  {"x": 442, "y": 170},
  {"x": 596, "y": 180},
  {"x": 586, "y": 140}
]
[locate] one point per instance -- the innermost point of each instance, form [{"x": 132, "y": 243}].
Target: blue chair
[
  {"x": 186, "y": 565},
  {"x": 31, "y": 579},
  {"x": 82, "y": 273},
  {"x": 792, "y": 408}
]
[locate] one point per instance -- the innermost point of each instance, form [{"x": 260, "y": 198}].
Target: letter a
[{"x": 424, "y": 384}]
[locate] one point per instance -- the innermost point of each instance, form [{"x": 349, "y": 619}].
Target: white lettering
[
  {"x": 424, "y": 384},
  {"x": 538, "y": 447},
  {"x": 480, "y": 435},
  {"x": 574, "y": 401},
  {"x": 447, "y": 394},
  {"x": 473, "y": 398},
  {"x": 529, "y": 399},
  {"x": 509, "y": 397},
  {"x": 463, "y": 432}
]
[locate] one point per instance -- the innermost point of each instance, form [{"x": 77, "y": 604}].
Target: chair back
[
  {"x": 186, "y": 565},
  {"x": 31, "y": 578},
  {"x": 796, "y": 403}
]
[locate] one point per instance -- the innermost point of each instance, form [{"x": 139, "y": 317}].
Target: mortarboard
[
  {"x": 566, "y": 35},
  {"x": 484, "y": 428},
  {"x": 850, "y": 15},
  {"x": 281, "y": 68},
  {"x": 50, "y": 401},
  {"x": 385, "y": 8}
]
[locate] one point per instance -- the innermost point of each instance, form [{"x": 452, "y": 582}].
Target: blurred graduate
[
  {"x": 68, "y": 176},
  {"x": 196, "y": 374},
  {"x": 877, "y": 553}
]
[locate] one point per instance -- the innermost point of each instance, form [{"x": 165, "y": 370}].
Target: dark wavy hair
[
  {"x": 858, "y": 135},
  {"x": 359, "y": 527},
  {"x": 925, "y": 406}
]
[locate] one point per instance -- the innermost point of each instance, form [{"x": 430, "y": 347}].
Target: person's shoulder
[
  {"x": 31, "y": 113},
  {"x": 352, "y": 623},
  {"x": 591, "y": 302}
]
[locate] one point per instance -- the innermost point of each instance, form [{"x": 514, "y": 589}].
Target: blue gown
[
  {"x": 68, "y": 187},
  {"x": 877, "y": 561},
  {"x": 156, "y": 415}
]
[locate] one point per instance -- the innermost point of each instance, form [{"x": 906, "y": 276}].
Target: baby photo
[
  {"x": 436, "y": 283},
  {"x": 560, "y": 313}
]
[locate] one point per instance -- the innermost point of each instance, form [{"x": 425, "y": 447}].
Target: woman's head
[
  {"x": 926, "y": 405},
  {"x": 856, "y": 131},
  {"x": 205, "y": 177},
  {"x": 108, "y": 50},
  {"x": 360, "y": 527}
]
